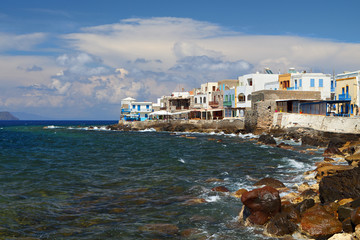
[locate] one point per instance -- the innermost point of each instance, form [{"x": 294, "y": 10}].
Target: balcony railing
[
  {"x": 345, "y": 97},
  {"x": 227, "y": 103},
  {"x": 213, "y": 103},
  {"x": 292, "y": 88},
  {"x": 125, "y": 110}
]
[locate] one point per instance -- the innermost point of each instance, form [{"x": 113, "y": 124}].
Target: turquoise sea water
[{"x": 68, "y": 181}]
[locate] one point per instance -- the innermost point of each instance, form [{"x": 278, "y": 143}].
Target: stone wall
[{"x": 317, "y": 122}]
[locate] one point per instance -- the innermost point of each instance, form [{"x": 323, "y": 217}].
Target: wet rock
[
  {"x": 309, "y": 193},
  {"x": 191, "y": 233},
  {"x": 331, "y": 170},
  {"x": 336, "y": 142},
  {"x": 305, "y": 205},
  {"x": 263, "y": 204},
  {"x": 355, "y": 216},
  {"x": 353, "y": 159},
  {"x": 271, "y": 182},
  {"x": 285, "y": 146},
  {"x": 209, "y": 180},
  {"x": 195, "y": 201},
  {"x": 345, "y": 201},
  {"x": 327, "y": 159},
  {"x": 318, "y": 223},
  {"x": 160, "y": 228},
  {"x": 332, "y": 151},
  {"x": 280, "y": 225},
  {"x": 313, "y": 140},
  {"x": 347, "y": 225},
  {"x": 344, "y": 212},
  {"x": 240, "y": 192},
  {"x": 292, "y": 213},
  {"x": 332, "y": 208},
  {"x": 220, "y": 189},
  {"x": 342, "y": 185},
  {"x": 267, "y": 139}
]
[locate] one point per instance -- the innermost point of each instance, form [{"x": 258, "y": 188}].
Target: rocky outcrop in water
[{"x": 263, "y": 204}]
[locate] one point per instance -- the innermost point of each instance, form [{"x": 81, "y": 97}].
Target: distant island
[{"x": 7, "y": 116}]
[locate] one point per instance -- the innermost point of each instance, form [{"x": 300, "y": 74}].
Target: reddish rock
[
  {"x": 263, "y": 203},
  {"x": 291, "y": 212},
  {"x": 318, "y": 223},
  {"x": 220, "y": 189},
  {"x": 270, "y": 182}
]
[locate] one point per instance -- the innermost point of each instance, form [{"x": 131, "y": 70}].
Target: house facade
[
  {"x": 295, "y": 81},
  {"x": 135, "y": 111},
  {"x": 347, "y": 88}
]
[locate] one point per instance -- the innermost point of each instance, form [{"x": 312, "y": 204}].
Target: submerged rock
[
  {"x": 220, "y": 189},
  {"x": 160, "y": 228},
  {"x": 318, "y": 223},
  {"x": 267, "y": 139},
  {"x": 263, "y": 203}
]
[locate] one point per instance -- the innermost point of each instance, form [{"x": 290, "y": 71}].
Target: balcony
[
  {"x": 345, "y": 97},
  {"x": 213, "y": 104},
  {"x": 125, "y": 110},
  {"x": 227, "y": 104}
]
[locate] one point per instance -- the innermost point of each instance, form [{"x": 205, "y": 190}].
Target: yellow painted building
[
  {"x": 347, "y": 88},
  {"x": 284, "y": 81}
]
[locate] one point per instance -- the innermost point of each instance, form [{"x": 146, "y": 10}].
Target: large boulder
[
  {"x": 331, "y": 170},
  {"x": 267, "y": 139},
  {"x": 270, "y": 182},
  {"x": 263, "y": 204},
  {"x": 345, "y": 184},
  {"x": 318, "y": 223}
]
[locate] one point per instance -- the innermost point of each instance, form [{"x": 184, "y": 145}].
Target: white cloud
[
  {"x": 147, "y": 58},
  {"x": 20, "y": 42}
]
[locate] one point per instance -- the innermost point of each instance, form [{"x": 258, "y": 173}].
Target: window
[
  {"x": 347, "y": 89},
  {"x": 147, "y": 107},
  {"x": 300, "y": 82},
  {"x": 204, "y": 99},
  {"x": 200, "y": 99},
  {"x": 138, "y": 107},
  {"x": 321, "y": 83},
  {"x": 133, "y": 106},
  {"x": 241, "y": 97},
  {"x": 249, "y": 97},
  {"x": 296, "y": 84},
  {"x": 312, "y": 82},
  {"x": 213, "y": 88},
  {"x": 226, "y": 98},
  {"x": 233, "y": 97},
  {"x": 146, "y": 115},
  {"x": 250, "y": 81},
  {"x": 195, "y": 100}
]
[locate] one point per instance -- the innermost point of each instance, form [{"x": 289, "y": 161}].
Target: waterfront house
[
  {"x": 347, "y": 89},
  {"x": 295, "y": 81},
  {"x": 135, "y": 111}
]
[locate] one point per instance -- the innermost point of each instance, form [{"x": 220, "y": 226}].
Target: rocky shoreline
[{"x": 326, "y": 209}]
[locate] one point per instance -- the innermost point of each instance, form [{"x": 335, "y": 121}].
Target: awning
[{"x": 160, "y": 113}]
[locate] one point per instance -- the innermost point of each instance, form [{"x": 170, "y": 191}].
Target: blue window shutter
[
  {"x": 312, "y": 82},
  {"x": 321, "y": 83},
  {"x": 300, "y": 82}
]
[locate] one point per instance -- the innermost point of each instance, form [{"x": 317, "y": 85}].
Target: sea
[{"x": 79, "y": 180}]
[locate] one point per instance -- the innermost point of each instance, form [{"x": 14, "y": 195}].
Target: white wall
[
  {"x": 306, "y": 80},
  {"x": 318, "y": 122}
]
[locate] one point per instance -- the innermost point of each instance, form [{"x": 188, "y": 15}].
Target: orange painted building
[{"x": 284, "y": 81}]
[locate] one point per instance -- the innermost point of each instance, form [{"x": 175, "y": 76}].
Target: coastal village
[
  {"x": 319, "y": 110},
  {"x": 262, "y": 100}
]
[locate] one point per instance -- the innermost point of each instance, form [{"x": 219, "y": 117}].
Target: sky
[{"x": 77, "y": 59}]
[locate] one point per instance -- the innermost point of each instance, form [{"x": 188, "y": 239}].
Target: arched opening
[{"x": 241, "y": 97}]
